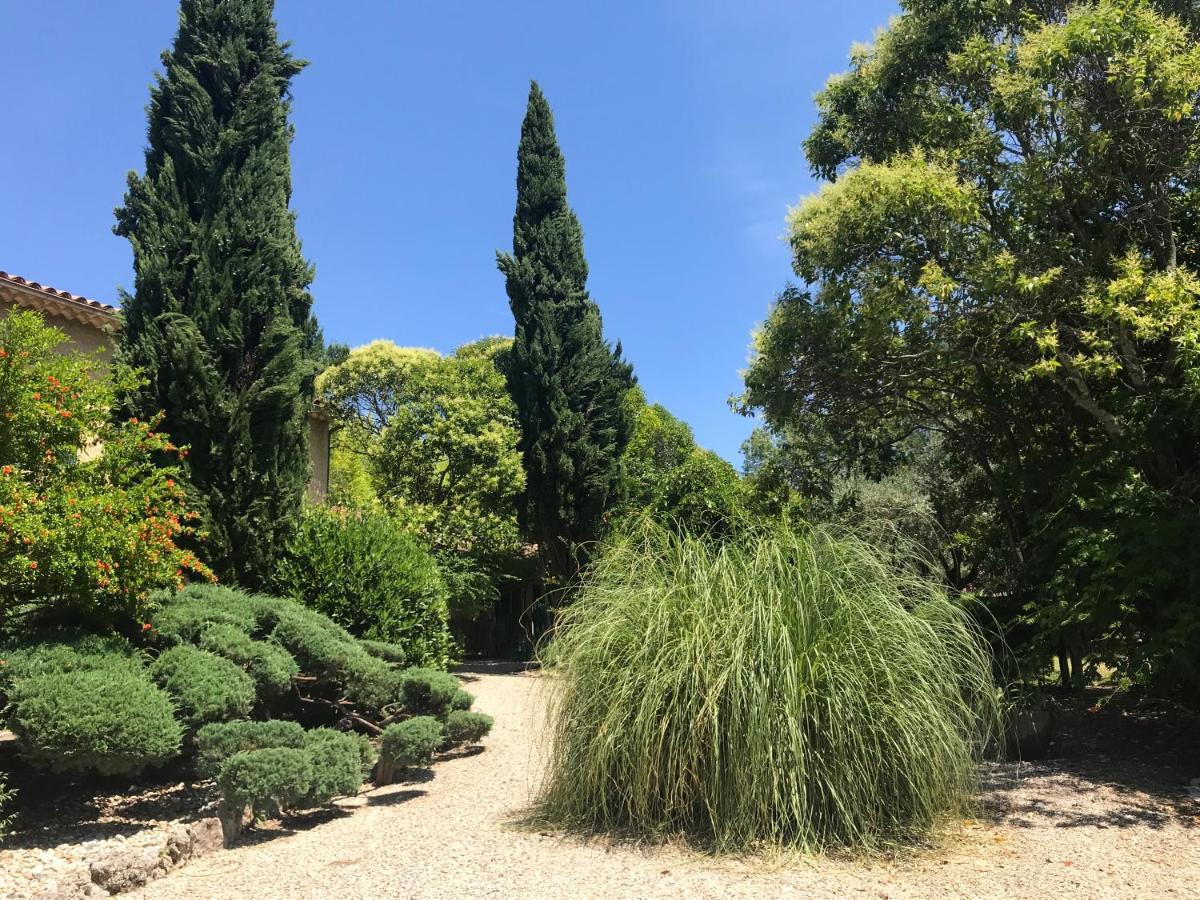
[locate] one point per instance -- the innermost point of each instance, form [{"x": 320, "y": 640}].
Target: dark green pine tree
[
  {"x": 567, "y": 382},
  {"x": 220, "y": 322}
]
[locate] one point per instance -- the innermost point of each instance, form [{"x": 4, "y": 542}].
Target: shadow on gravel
[
  {"x": 494, "y": 667},
  {"x": 1119, "y": 765},
  {"x": 395, "y": 798}
]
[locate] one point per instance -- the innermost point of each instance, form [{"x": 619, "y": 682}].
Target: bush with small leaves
[
  {"x": 464, "y": 728},
  {"x": 271, "y": 667},
  {"x": 268, "y": 781},
  {"x": 408, "y": 744},
  {"x": 110, "y": 720},
  {"x": 430, "y": 692},
  {"x": 337, "y": 765},
  {"x": 183, "y": 617},
  {"x": 461, "y": 700},
  {"x": 219, "y": 741},
  {"x": 392, "y": 653},
  {"x": 207, "y": 687},
  {"x": 47, "y": 653}
]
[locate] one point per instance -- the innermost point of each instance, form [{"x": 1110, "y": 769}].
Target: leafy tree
[
  {"x": 567, "y": 382},
  {"x": 670, "y": 479},
  {"x": 434, "y": 439},
  {"x": 1007, "y": 259},
  {"x": 220, "y": 319}
]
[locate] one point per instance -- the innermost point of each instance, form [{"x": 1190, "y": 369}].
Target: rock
[
  {"x": 179, "y": 845},
  {"x": 207, "y": 836},
  {"x": 128, "y": 869}
]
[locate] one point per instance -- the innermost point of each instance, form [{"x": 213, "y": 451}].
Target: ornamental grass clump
[{"x": 781, "y": 690}]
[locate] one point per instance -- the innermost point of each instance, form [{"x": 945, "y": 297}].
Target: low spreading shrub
[
  {"x": 218, "y": 741},
  {"x": 408, "y": 744},
  {"x": 182, "y": 616},
  {"x": 464, "y": 728},
  {"x": 337, "y": 765},
  {"x": 430, "y": 692},
  {"x": 788, "y": 690},
  {"x": 46, "y": 653},
  {"x": 267, "y": 781},
  {"x": 206, "y": 687},
  {"x": 271, "y": 667},
  {"x": 392, "y": 653},
  {"x": 370, "y": 575},
  {"x": 111, "y": 720}
]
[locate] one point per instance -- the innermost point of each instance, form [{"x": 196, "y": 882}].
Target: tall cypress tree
[
  {"x": 567, "y": 382},
  {"x": 220, "y": 321}
]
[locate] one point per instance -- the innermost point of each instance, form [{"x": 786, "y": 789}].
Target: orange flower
[
  {"x": 146, "y": 626},
  {"x": 33, "y": 565},
  {"x": 7, "y": 470}
]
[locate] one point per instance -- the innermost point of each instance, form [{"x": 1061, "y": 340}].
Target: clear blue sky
[{"x": 681, "y": 123}]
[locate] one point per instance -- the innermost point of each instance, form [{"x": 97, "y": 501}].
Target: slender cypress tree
[
  {"x": 567, "y": 382},
  {"x": 220, "y": 321}
]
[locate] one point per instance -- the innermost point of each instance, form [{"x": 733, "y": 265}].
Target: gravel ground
[{"x": 1082, "y": 825}]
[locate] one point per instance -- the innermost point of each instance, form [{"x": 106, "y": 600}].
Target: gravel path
[{"x": 1047, "y": 833}]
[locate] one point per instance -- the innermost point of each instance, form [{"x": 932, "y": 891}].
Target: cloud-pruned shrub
[{"x": 205, "y": 687}]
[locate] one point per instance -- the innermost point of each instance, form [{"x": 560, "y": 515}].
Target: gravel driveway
[{"x": 1046, "y": 833}]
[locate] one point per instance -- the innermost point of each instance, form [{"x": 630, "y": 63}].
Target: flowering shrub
[{"x": 89, "y": 519}]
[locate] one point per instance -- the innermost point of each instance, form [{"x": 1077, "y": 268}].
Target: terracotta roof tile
[{"x": 57, "y": 294}]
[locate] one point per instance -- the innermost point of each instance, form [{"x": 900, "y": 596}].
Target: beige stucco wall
[
  {"x": 90, "y": 339},
  {"x": 79, "y": 336}
]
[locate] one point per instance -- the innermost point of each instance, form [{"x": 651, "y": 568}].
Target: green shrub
[
  {"x": 271, "y": 667},
  {"x": 219, "y": 741},
  {"x": 337, "y": 765},
  {"x": 409, "y": 744},
  {"x": 464, "y": 727},
  {"x": 111, "y": 720},
  {"x": 371, "y": 576},
  {"x": 182, "y": 617},
  {"x": 44, "y": 653},
  {"x": 430, "y": 692},
  {"x": 83, "y": 537},
  {"x": 268, "y": 781},
  {"x": 789, "y": 690},
  {"x": 461, "y": 700},
  {"x": 392, "y": 653},
  {"x": 207, "y": 687}
]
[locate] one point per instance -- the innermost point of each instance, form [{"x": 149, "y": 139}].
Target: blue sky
[{"x": 681, "y": 123}]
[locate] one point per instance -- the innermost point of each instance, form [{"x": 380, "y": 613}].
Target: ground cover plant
[{"x": 786, "y": 690}]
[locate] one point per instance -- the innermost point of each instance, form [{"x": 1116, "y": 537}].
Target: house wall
[{"x": 83, "y": 337}]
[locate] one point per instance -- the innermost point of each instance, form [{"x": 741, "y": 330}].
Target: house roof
[{"x": 23, "y": 292}]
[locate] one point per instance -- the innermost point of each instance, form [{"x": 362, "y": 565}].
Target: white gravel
[{"x": 1045, "y": 834}]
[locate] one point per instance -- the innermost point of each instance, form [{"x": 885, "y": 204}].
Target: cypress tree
[
  {"x": 220, "y": 321},
  {"x": 567, "y": 382}
]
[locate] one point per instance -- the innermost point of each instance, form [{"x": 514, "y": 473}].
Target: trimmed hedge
[
  {"x": 111, "y": 720},
  {"x": 463, "y": 727},
  {"x": 268, "y": 781},
  {"x": 207, "y": 687},
  {"x": 271, "y": 667},
  {"x": 337, "y": 763},
  {"x": 219, "y": 741},
  {"x": 408, "y": 744},
  {"x": 431, "y": 692}
]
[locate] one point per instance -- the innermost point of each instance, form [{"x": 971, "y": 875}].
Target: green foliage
[
  {"x": 268, "y": 781},
  {"x": 337, "y": 760},
  {"x": 181, "y": 617},
  {"x": 51, "y": 652},
  {"x": 220, "y": 319},
  {"x": 271, "y": 667},
  {"x": 6, "y": 797},
  {"x": 431, "y": 692},
  {"x": 206, "y": 687},
  {"x": 463, "y": 727},
  {"x": 389, "y": 653},
  {"x": 218, "y": 741},
  {"x": 110, "y": 720},
  {"x": 433, "y": 439},
  {"x": 670, "y": 479},
  {"x": 411, "y": 743},
  {"x": 787, "y": 689},
  {"x": 370, "y": 576},
  {"x": 1008, "y": 259},
  {"x": 85, "y": 532},
  {"x": 568, "y": 384}
]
